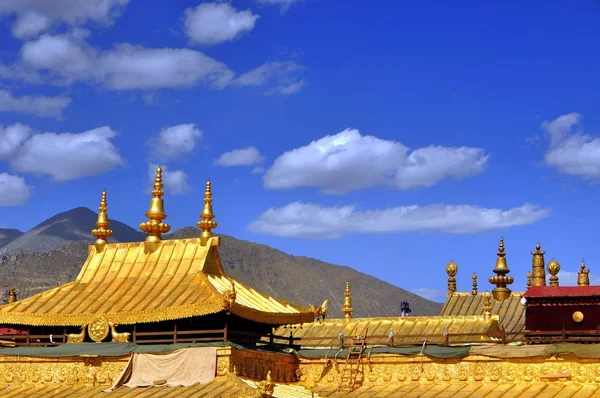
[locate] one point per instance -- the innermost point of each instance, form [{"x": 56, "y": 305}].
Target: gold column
[
  {"x": 347, "y": 308},
  {"x": 451, "y": 270},
  {"x": 154, "y": 227},
  {"x": 553, "y": 269},
  {"x": 474, "y": 291},
  {"x": 102, "y": 223},
  {"x": 501, "y": 292},
  {"x": 207, "y": 224},
  {"x": 538, "y": 272},
  {"x": 583, "y": 276}
]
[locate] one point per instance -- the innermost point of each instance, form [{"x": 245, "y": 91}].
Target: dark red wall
[{"x": 553, "y": 317}]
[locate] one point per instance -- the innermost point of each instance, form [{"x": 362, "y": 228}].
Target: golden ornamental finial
[
  {"x": 553, "y": 269},
  {"x": 474, "y": 291},
  {"x": 583, "y": 276},
  {"x": 487, "y": 305},
  {"x": 538, "y": 272},
  {"x": 154, "y": 227},
  {"x": 101, "y": 232},
  {"x": 451, "y": 270},
  {"x": 347, "y": 308},
  {"x": 501, "y": 292},
  {"x": 207, "y": 224},
  {"x": 12, "y": 295},
  {"x": 528, "y": 280}
]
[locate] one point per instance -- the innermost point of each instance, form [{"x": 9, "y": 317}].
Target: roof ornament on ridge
[
  {"x": 501, "y": 292},
  {"x": 583, "y": 276},
  {"x": 553, "y": 270},
  {"x": 154, "y": 227},
  {"x": 451, "y": 270},
  {"x": 538, "y": 272},
  {"x": 474, "y": 289},
  {"x": 528, "y": 276},
  {"x": 207, "y": 224},
  {"x": 347, "y": 308},
  {"x": 101, "y": 232}
]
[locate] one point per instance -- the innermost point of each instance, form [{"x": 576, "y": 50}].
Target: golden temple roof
[
  {"x": 406, "y": 330},
  {"x": 128, "y": 284},
  {"x": 510, "y": 311}
]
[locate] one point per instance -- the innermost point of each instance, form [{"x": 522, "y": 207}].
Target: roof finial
[
  {"x": 538, "y": 272},
  {"x": 347, "y": 308},
  {"x": 583, "y": 276},
  {"x": 12, "y": 295},
  {"x": 528, "y": 280},
  {"x": 451, "y": 270},
  {"x": 101, "y": 232},
  {"x": 154, "y": 227},
  {"x": 501, "y": 292},
  {"x": 553, "y": 269},
  {"x": 487, "y": 306},
  {"x": 474, "y": 291},
  {"x": 207, "y": 224}
]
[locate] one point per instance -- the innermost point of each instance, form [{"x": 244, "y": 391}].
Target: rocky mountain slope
[{"x": 297, "y": 279}]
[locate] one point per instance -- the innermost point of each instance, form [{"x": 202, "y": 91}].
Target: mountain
[
  {"x": 8, "y": 235},
  {"x": 72, "y": 225},
  {"x": 301, "y": 280}
]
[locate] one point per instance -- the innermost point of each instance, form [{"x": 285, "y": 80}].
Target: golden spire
[
  {"x": 528, "y": 280},
  {"x": 451, "y": 270},
  {"x": 12, "y": 295},
  {"x": 487, "y": 305},
  {"x": 474, "y": 291},
  {"x": 347, "y": 308},
  {"x": 207, "y": 224},
  {"x": 583, "y": 276},
  {"x": 553, "y": 269},
  {"x": 101, "y": 232},
  {"x": 538, "y": 272},
  {"x": 154, "y": 227},
  {"x": 501, "y": 292}
]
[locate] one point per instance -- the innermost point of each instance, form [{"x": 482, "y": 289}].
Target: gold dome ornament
[
  {"x": 98, "y": 329},
  {"x": 553, "y": 269},
  {"x": 451, "y": 270},
  {"x": 578, "y": 316}
]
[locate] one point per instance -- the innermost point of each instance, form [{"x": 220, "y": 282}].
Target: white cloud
[
  {"x": 285, "y": 4},
  {"x": 68, "y": 156},
  {"x": 258, "y": 170},
  {"x": 429, "y": 293},
  {"x": 287, "y": 89},
  {"x": 175, "y": 141},
  {"x": 239, "y": 157},
  {"x": 349, "y": 161},
  {"x": 36, "y": 16},
  {"x": 304, "y": 220},
  {"x": 68, "y": 58},
  {"x": 175, "y": 182},
  {"x": 13, "y": 190},
  {"x": 568, "y": 278},
  {"x": 212, "y": 23},
  {"x": 11, "y": 139},
  {"x": 39, "y": 106},
  {"x": 571, "y": 151},
  {"x": 267, "y": 71}
]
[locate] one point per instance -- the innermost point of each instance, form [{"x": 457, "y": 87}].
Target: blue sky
[{"x": 390, "y": 136}]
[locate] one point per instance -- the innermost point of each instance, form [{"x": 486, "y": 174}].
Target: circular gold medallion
[
  {"x": 578, "y": 316},
  {"x": 98, "y": 329}
]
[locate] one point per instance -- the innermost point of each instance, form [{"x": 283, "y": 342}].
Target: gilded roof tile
[
  {"x": 406, "y": 330},
  {"x": 510, "y": 311},
  {"x": 127, "y": 284}
]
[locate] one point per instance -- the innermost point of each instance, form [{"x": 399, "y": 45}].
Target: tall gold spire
[
  {"x": 501, "y": 292},
  {"x": 347, "y": 308},
  {"x": 538, "y": 272},
  {"x": 474, "y": 290},
  {"x": 451, "y": 270},
  {"x": 154, "y": 227},
  {"x": 583, "y": 276},
  {"x": 101, "y": 232},
  {"x": 207, "y": 224},
  {"x": 553, "y": 269}
]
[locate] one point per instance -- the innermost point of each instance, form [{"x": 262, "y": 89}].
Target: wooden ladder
[{"x": 352, "y": 365}]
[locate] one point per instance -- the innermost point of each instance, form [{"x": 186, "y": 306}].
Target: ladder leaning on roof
[{"x": 352, "y": 365}]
